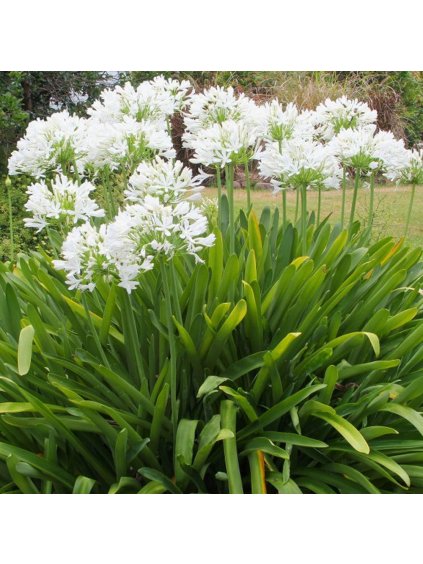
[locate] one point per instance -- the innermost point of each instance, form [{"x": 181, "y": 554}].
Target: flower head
[
  {"x": 227, "y": 142},
  {"x": 217, "y": 105},
  {"x": 167, "y": 180},
  {"x": 51, "y": 145},
  {"x": 146, "y": 102},
  {"x": 63, "y": 203},
  {"x": 177, "y": 90},
  {"x": 343, "y": 113},
  {"x": 366, "y": 151},
  {"x": 126, "y": 143},
  {"x": 84, "y": 257},
  {"x": 299, "y": 163},
  {"x": 412, "y": 173},
  {"x": 279, "y": 123}
]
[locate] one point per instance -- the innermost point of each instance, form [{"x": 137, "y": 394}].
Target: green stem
[
  {"x": 228, "y": 421},
  {"x": 297, "y": 203},
  {"x": 303, "y": 193},
  {"x": 319, "y": 204},
  {"x": 230, "y": 191},
  {"x": 11, "y": 231},
  {"x": 284, "y": 206},
  {"x": 371, "y": 205},
  {"x": 344, "y": 194},
  {"x": 248, "y": 186},
  {"x": 410, "y": 209},
  {"x": 354, "y": 200},
  {"x": 219, "y": 196},
  {"x": 172, "y": 348}
]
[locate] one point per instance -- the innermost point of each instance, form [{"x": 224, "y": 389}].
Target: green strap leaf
[
  {"x": 26, "y": 338},
  {"x": 346, "y": 429},
  {"x": 83, "y": 485},
  {"x": 407, "y": 413}
]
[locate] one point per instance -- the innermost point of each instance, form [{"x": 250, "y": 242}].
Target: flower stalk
[
  {"x": 371, "y": 203},
  {"x": 344, "y": 195},
  {"x": 410, "y": 209},
  {"x": 284, "y": 210},
  {"x": 230, "y": 191},
  {"x": 219, "y": 196},
  {"x": 354, "y": 200},
  {"x": 8, "y": 184},
  {"x": 319, "y": 203},
  {"x": 248, "y": 185},
  {"x": 303, "y": 195}
]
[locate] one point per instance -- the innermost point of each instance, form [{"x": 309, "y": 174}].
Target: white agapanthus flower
[
  {"x": 170, "y": 181},
  {"x": 299, "y": 163},
  {"x": 343, "y": 113},
  {"x": 177, "y": 90},
  {"x": 126, "y": 143},
  {"x": 412, "y": 173},
  {"x": 54, "y": 144},
  {"x": 368, "y": 151},
  {"x": 149, "y": 101},
  {"x": 89, "y": 254},
  {"x": 84, "y": 257},
  {"x": 279, "y": 123},
  {"x": 215, "y": 106},
  {"x": 63, "y": 203},
  {"x": 224, "y": 143},
  {"x": 128, "y": 246}
]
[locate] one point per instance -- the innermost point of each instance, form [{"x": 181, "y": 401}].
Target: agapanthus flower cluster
[
  {"x": 333, "y": 116},
  {"x": 84, "y": 257},
  {"x": 228, "y": 142},
  {"x": 217, "y": 105},
  {"x": 50, "y": 145},
  {"x": 280, "y": 123},
  {"x": 178, "y": 90},
  {"x": 222, "y": 127},
  {"x": 367, "y": 151},
  {"x": 151, "y": 100},
  {"x": 168, "y": 180},
  {"x": 62, "y": 202},
  {"x": 126, "y": 143},
  {"x": 299, "y": 163},
  {"x": 126, "y": 126},
  {"x": 412, "y": 173},
  {"x": 130, "y": 245}
]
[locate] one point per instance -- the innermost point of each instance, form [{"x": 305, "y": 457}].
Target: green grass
[{"x": 391, "y": 206}]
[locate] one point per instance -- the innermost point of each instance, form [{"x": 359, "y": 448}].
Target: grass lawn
[{"x": 391, "y": 206}]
